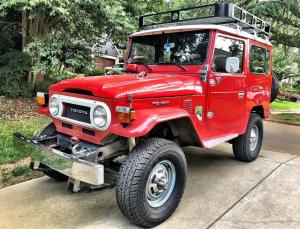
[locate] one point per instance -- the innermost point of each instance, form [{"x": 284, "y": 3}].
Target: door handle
[{"x": 241, "y": 94}]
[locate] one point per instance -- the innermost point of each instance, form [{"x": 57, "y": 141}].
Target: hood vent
[{"x": 78, "y": 91}]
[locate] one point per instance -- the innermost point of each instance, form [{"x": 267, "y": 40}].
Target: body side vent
[{"x": 188, "y": 105}]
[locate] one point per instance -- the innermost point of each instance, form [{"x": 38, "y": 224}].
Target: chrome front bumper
[{"x": 78, "y": 169}]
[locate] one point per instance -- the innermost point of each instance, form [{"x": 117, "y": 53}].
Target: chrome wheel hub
[
  {"x": 160, "y": 184},
  {"x": 254, "y": 136}
]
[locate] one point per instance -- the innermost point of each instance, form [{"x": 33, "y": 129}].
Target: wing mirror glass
[{"x": 232, "y": 64}]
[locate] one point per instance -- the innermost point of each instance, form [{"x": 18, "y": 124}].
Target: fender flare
[{"x": 146, "y": 120}]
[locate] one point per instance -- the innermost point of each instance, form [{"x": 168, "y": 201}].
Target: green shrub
[
  {"x": 95, "y": 72},
  {"x": 20, "y": 170},
  {"x": 59, "y": 58},
  {"x": 13, "y": 69}
]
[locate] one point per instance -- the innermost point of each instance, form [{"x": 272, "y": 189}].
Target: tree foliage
[
  {"x": 13, "y": 66},
  {"x": 53, "y": 31},
  {"x": 56, "y": 33}
]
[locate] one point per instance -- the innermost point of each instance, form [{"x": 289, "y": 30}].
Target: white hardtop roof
[{"x": 185, "y": 28}]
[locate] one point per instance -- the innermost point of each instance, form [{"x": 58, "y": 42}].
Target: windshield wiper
[
  {"x": 177, "y": 65},
  {"x": 145, "y": 65}
]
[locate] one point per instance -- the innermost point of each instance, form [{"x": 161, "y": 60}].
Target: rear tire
[
  {"x": 151, "y": 182},
  {"x": 50, "y": 130},
  {"x": 246, "y": 147}
]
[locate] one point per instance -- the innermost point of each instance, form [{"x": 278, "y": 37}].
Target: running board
[{"x": 216, "y": 141}]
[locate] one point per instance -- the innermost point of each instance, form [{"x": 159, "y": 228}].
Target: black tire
[
  {"x": 274, "y": 89},
  {"x": 50, "y": 130},
  {"x": 241, "y": 145},
  {"x": 133, "y": 177}
]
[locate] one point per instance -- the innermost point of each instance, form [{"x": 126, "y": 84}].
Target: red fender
[{"x": 146, "y": 120}]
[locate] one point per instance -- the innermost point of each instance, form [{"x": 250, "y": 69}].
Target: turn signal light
[
  {"x": 125, "y": 114},
  {"x": 41, "y": 98}
]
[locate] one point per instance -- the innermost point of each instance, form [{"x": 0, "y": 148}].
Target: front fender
[{"x": 146, "y": 120}]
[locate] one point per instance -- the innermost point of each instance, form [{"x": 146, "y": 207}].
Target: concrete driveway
[
  {"x": 281, "y": 138},
  {"x": 221, "y": 193}
]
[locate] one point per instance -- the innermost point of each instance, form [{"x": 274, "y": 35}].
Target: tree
[{"x": 48, "y": 27}]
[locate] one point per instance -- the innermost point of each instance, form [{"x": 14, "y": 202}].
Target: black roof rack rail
[{"x": 220, "y": 14}]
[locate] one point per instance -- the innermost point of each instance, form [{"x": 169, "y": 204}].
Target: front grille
[
  {"x": 66, "y": 125},
  {"x": 76, "y": 112},
  {"x": 88, "y": 132}
]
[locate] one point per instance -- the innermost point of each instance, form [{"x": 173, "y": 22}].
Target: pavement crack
[
  {"x": 263, "y": 222},
  {"x": 250, "y": 190}
]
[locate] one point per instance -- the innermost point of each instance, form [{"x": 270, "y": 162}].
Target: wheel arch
[
  {"x": 180, "y": 129},
  {"x": 258, "y": 110},
  {"x": 149, "y": 123}
]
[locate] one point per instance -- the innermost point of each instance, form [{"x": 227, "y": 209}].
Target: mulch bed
[{"x": 16, "y": 109}]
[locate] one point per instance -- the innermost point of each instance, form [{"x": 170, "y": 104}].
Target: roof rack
[{"x": 221, "y": 14}]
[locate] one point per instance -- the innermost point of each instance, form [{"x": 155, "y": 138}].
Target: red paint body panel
[
  {"x": 181, "y": 91},
  {"x": 142, "y": 126},
  {"x": 119, "y": 86}
]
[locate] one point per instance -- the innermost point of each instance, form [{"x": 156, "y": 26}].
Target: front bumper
[{"x": 67, "y": 164}]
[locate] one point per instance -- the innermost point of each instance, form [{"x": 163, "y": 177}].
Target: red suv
[{"x": 195, "y": 77}]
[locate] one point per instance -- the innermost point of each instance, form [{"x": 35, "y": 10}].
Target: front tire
[
  {"x": 151, "y": 182},
  {"x": 246, "y": 147}
]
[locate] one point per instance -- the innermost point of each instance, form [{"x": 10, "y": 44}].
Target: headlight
[
  {"x": 100, "y": 116},
  {"x": 54, "y": 106}
]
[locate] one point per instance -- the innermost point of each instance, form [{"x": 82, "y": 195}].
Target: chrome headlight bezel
[
  {"x": 54, "y": 106},
  {"x": 107, "y": 118}
]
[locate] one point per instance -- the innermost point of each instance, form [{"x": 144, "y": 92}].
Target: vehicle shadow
[{"x": 46, "y": 202}]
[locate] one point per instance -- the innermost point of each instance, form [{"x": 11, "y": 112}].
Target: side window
[
  {"x": 259, "y": 60},
  {"x": 225, "y": 48}
]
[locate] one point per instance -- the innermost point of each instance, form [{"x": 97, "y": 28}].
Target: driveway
[
  {"x": 220, "y": 193},
  {"x": 281, "y": 138}
]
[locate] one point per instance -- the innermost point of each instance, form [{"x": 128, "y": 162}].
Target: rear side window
[
  {"x": 226, "y": 47},
  {"x": 259, "y": 60}
]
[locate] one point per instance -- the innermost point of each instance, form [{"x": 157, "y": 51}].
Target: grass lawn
[
  {"x": 285, "y": 105},
  {"x": 8, "y": 154},
  {"x": 287, "y": 117}
]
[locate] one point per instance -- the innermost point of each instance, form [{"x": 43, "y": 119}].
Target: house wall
[{"x": 101, "y": 62}]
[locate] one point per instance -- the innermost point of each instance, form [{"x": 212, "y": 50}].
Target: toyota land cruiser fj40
[{"x": 195, "y": 77}]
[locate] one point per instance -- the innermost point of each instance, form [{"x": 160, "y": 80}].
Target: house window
[
  {"x": 225, "y": 48},
  {"x": 259, "y": 60}
]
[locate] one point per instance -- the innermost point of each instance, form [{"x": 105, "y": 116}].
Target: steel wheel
[
  {"x": 254, "y": 136},
  {"x": 160, "y": 184}
]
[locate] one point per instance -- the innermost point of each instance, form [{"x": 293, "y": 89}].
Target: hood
[{"x": 119, "y": 86}]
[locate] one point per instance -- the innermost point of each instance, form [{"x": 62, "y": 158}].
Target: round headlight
[
  {"x": 100, "y": 116},
  {"x": 54, "y": 106}
]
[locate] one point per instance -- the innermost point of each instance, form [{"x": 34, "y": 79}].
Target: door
[{"x": 227, "y": 91}]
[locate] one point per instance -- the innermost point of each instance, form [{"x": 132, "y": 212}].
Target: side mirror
[{"x": 232, "y": 64}]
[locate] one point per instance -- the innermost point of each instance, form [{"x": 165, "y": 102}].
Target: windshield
[{"x": 188, "y": 48}]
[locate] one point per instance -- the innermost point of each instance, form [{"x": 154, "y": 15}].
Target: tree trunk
[{"x": 24, "y": 29}]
